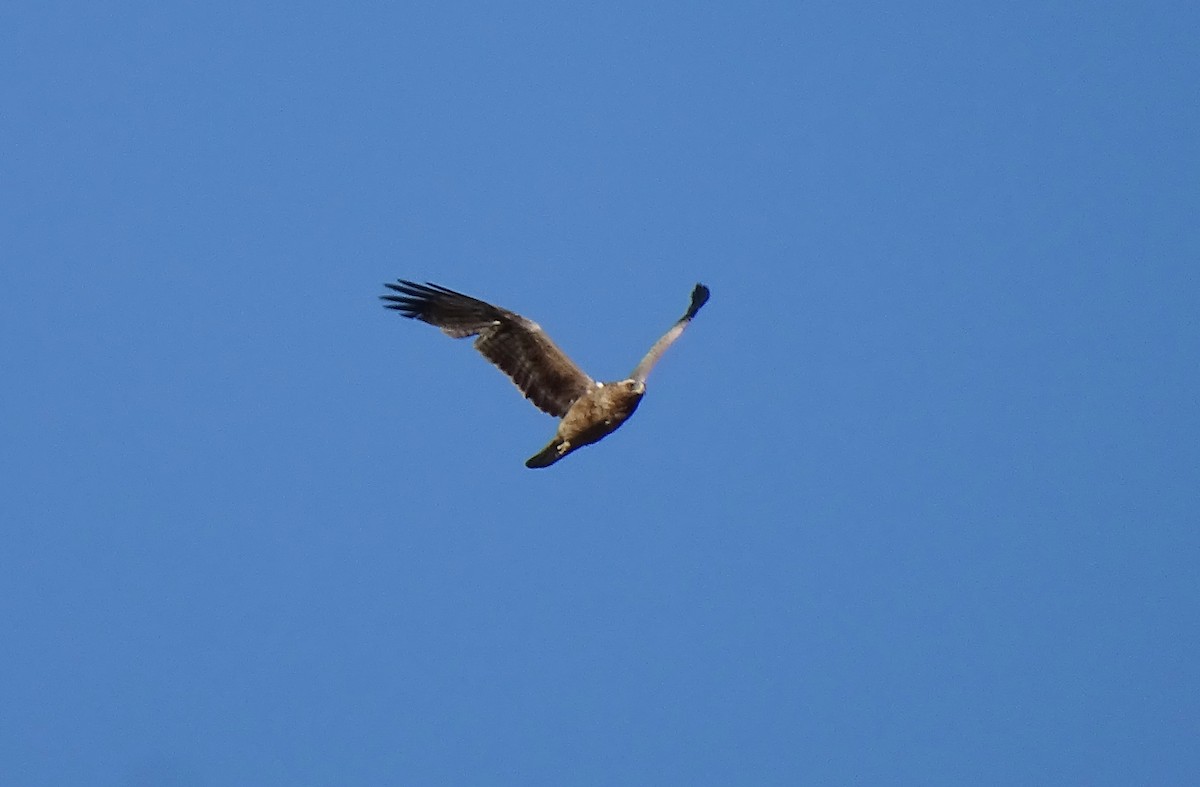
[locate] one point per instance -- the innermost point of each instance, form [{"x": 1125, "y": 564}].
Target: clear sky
[{"x": 914, "y": 501}]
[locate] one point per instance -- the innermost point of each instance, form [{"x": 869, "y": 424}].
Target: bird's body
[
  {"x": 592, "y": 417},
  {"x": 589, "y": 410}
]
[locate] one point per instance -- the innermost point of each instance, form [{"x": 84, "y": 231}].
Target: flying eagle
[{"x": 589, "y": 410}]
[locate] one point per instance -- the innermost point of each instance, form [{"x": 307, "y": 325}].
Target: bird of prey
[{"x": 589, "y": 410}]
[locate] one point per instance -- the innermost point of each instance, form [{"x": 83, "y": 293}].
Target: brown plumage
[{"x": 589, "y": 410}]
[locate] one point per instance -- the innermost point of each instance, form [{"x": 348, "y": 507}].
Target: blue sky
[{"x": 914, "y": 501}]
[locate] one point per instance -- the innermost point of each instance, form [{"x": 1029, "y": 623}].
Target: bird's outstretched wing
[
  {"x": 518, "y": 346},
  {"x": 699, "y": 298}
]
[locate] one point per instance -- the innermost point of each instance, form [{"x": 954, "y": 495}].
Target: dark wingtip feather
[
  {"x": 699, "y": 297},
  {"x": 405, "y": 304},
  {"x": 394, "y": 302},
  {"x": 413, "y": 298}
]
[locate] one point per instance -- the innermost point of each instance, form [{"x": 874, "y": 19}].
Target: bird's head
[{"x": 636, "y": 387}]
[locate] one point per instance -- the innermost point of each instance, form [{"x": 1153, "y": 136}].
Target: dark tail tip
[{"x": 544, "y": 458}]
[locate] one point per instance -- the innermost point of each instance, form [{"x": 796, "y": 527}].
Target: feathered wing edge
[
  {"x": 700, "y": 295},
  {"x": 518, "y": 346}
]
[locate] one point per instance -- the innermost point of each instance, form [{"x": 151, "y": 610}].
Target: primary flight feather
[{"x": 589, "y": 410}]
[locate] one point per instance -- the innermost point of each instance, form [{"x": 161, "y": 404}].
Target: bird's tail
[{"x": 547, "y": 456}]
